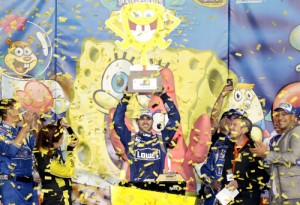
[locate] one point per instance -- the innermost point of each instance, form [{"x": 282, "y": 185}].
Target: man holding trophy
[{"x": 145, "y": 149}]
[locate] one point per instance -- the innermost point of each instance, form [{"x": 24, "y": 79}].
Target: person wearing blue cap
[
  {"x": 146, "y": 151},
  {"x": 284, "y": 159},
  {"x": 211, "y": 170}
]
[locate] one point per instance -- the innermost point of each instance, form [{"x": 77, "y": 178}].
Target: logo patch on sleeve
[{"x": 298, "y": 162}]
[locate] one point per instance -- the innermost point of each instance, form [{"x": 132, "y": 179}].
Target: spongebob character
[
  {"x": 102, "y": 75},
  {"x": 143, "y": 26},
  {"x": 243, "y": 97},
  {"x": 37, "y": 96}
]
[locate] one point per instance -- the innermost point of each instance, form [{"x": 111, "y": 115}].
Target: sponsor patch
[{"x": 298, "y": 162}]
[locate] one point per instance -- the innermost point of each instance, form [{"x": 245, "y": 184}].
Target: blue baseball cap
[
  {"x": 287, "y": 107},
  {"x": 233, "y": 113},
  {"x": 297, "y": 112}
]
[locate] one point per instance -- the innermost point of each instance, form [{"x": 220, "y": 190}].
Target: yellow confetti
[
  {"x": 48, "y": 178},
  {"x": 28, "y": 196},
  {"x": 294, "y": 99},
  {"x": 258, "y": 47},
  {"x": 50, "y": 31},
  {"x": 148, "y": 164},
  {"x": 62, "y": 19},
  {"x": 238, "y": 54}
]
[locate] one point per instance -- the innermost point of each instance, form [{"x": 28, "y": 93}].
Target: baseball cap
[
  {"x": 233, "y": 113},
  {"x": 147, "y": 112},
  {"x": 287, "y": 107},
  {"x": 297, "y": 112}
]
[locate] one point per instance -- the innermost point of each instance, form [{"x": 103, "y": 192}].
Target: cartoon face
[
  {"x": 143, "y": 26},
  {"x": 142, "y": 21},
  {"x": 244, "y": 97},
  {"x": 20, "y": 57}
]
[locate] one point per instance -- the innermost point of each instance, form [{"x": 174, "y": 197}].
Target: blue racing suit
[
  {"x": 212, "y": 169},
  {"x": 15, "y": 167},
  {"x": 145, "y": 154}
]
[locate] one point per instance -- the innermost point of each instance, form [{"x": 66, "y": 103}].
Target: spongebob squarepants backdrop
[{"x": 73, "y": 59}]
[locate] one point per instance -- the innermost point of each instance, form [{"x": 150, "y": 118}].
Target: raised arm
[
  {"x": 11, "y": 148},
  {"x": 119, "y": 121},
  {"x": 174, "y": 118},
  {"x": 214, "y": 119}
]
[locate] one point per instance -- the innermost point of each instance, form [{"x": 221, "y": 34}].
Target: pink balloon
[
  {"x": 25, "y": 99},
  {"x": 12, "y": 17},
  {"x": 8, "y": 29},
  {"x": 36, "y": 97},
  {"x": 5, "y": 23}
]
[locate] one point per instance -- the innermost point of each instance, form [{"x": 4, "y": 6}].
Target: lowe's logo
[{"x": 147, "y": 154}]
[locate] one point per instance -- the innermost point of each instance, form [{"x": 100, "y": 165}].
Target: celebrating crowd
[
  {"x": 24, "y": 140},
  {"x": 235, "y": 162}
]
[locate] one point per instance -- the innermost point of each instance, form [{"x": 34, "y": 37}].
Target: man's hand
[
  {"x": 63, "y": 122},
  {"x": 216, "y": 185},
  {"x": 233, "y": 185},
  {"x": 260, "y": 150},
  {"x": 73, "y": 142},
  {"x": 36, "y": 177},
  {"x": 30, "y": 118},
  {"x": 160, "y": 93},
  {"x": 226, "y": 90}
]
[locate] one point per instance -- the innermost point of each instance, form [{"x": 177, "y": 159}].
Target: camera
[{"x": 229, "y": 82}]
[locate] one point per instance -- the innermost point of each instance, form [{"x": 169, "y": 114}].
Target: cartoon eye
[
  {"x": 115, "y": 77},
  {"x": 238, "y": 95},
  {"x": 27, "y": 51},
  {"x": 18, "y": 51},
  {"x": 119, "y": 81},
  {"x": 159, "y": 121},
  {"x": 137, "y": 14},
  {"x": 249, "y": 94},
  {"x": 148, "y": 13}
]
